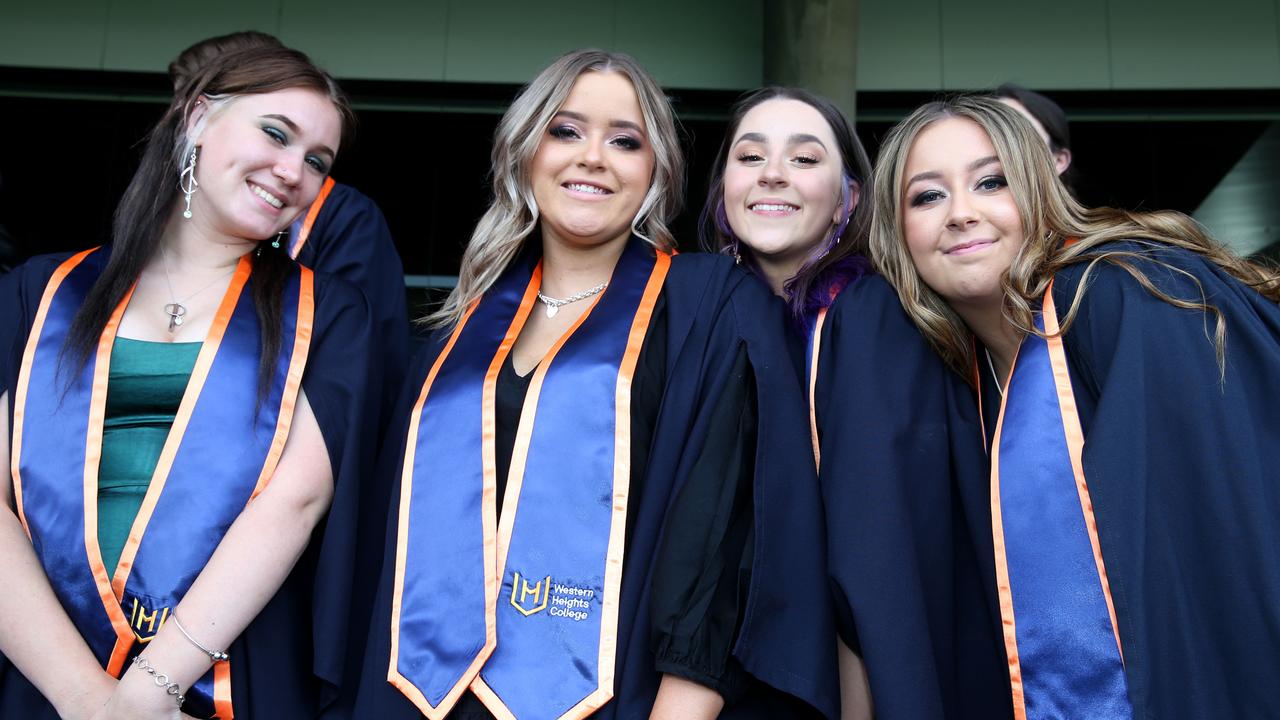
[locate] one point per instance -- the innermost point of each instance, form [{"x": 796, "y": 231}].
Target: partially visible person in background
[{"x": 1050, "y": 122}]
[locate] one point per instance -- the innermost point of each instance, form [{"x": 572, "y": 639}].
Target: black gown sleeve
[
  {"x": 11, "y": 318},
  {"x": 336, "y": 384},
  {"x": 351, "y": 240},
  {"x": 703, "y": 564},
  {"x": 744, "y": 509},
  {"x": 1181, "y": 459},
  {"x": 20, "y": 292}
]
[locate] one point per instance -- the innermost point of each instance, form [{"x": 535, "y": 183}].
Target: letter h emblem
[{"x": 539, "y": 590}]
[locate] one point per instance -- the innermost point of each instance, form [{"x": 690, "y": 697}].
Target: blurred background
[{"x": 1172, "y": 104}]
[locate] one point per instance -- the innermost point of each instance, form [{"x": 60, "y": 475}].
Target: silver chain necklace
[
  {"x": 554, "y": 305},
  {"x": 994, "y": 376},
  {"x": 175, "y": 308}
]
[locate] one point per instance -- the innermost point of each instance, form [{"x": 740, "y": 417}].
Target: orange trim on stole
[
  {"x": 488, "y": 434},
  {"x": 200, "y": 373},
  {"x": 222, "y": 691},
  {"x": 1003, "y": 585},
  {"x": 312, "y": 213},
  {"x": 519, "y": 453},
  {"x": 1075, "y": 447},
  {"x": 621, "y": 483},
  {"x": 621, "y": 493},
  {"x": 24, "y": 376},
  {"x": 406, "y": 489},
  {"x": 293, "y": 379},
  {"x": 816, "y": 343},
  {"x": 92, "y": 462}
]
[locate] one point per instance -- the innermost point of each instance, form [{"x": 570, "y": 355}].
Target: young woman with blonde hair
[
  {"x": 1126, "y": 366},
  {"x": 597, "y": 489}
]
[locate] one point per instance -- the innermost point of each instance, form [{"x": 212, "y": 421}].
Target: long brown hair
[
  {"x": 149, "y": 201},
  {"x": 1050, "y": 215},
  {"x": 513, "y": 214}
]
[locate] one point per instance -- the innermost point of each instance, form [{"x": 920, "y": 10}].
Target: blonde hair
[
  {"x": 1050, "y": 216},
  {"x": 513, "y": 214}
]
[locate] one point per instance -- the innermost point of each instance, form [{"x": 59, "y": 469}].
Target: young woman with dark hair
[
  {"x": 182, "y": 407},
  {"x": 785, "y": 199},
  {"x": 602, "y": 460},
  {"x": 1126, "y": 366}
]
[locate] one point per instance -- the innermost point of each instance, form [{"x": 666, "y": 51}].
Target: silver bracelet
[
  {"x": 160, "y": 679},
  {"x": 214, "y": 655}
]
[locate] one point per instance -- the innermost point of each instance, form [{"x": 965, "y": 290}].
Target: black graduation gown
[
  {"x": 909, "y": 524},
  {"x": 716, "y": 323},
  {"x": 289, "y": 662},
  {"x": 1182, "y": 465},
  {"x": 350, "y": 239}
]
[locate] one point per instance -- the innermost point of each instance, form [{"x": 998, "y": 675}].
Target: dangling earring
[
  {"x": 737, "y": 254},
  {"x": 276, "y": 243},
  {"x": 187, "y": 183}
]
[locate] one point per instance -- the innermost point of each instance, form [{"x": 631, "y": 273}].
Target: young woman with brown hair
[{"x": 182, "y": 408}]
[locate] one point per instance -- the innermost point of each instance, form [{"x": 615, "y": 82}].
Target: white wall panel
[
  {"x": 144, "y": 35},
  {"x": 1045, "y": 44},
  {"x": 390, "y": 39}
]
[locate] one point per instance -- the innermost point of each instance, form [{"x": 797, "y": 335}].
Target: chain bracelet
[{"x": 160, "y": 679}]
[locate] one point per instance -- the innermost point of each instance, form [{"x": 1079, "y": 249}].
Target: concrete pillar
[{"x": 813, "y": 44}]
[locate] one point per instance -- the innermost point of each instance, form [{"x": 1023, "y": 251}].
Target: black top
[{"x": 696, "y": 614}]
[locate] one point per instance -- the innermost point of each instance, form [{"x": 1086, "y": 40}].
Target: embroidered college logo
[
  {"x": 539, "y": 591},
  {"x": 145, "y": 624}
]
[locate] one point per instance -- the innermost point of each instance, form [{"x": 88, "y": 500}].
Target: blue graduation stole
[
  {"x": 524, "y": 614},
  {"x": 221, "y": 452},
  {"x": 1060, "y": 631}
]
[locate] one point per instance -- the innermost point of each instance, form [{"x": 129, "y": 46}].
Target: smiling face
[
  {"x": 594, "y": 166},
  {"x": 959, "y": 217},
  {"x": 783, "y": 181},
  {"x": 262, "y": 160}
]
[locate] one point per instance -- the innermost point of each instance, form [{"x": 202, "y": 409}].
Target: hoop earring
[
  {"x": 187, "y": 183},
  {"x": 276, "y": 243}
]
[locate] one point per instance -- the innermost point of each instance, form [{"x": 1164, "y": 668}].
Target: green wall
[{"x": 713, "y": 44}]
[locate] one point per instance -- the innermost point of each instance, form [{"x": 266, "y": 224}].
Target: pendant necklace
[
  {"x": 554, "y": 304},
  {"x": 994, "y": 376},
  {"x": 176, "y": 309}
]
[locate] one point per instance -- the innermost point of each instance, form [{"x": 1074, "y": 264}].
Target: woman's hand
[{"x": 138, "y": 697}]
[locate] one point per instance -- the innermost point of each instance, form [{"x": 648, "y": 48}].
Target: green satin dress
[{"x": 145, "y": 388}]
